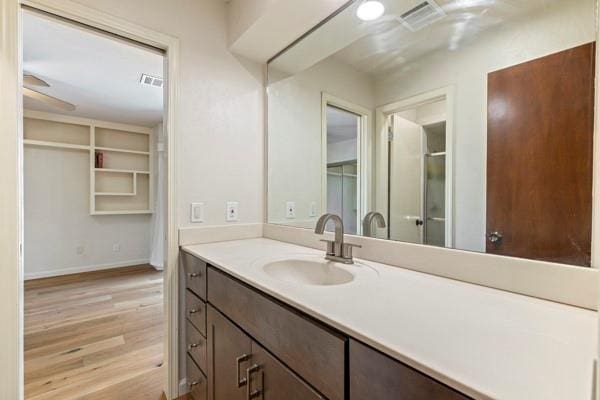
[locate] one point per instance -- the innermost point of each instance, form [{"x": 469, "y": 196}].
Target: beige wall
[
  {"x": 220, "y": 126},
  {"x": 295, "y": 134},
  {"x": 58, "y": 221}
]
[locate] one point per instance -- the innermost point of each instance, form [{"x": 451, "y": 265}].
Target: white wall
[
  {"x": 561, "y": 26},
  {"x": 58, "y": 221},
  {"x": 295, "y": 133},
  {"x": 220, "y": 115},
  {"x": 345, "y": 150}
]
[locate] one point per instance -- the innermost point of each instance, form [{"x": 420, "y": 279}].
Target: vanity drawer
[
  {"x": 375, "y": 376},
  {"x": 195, "y": 311},
  {"x": 314, "y": 352},
  {"x": 196, "y": 381},
  {"x": 195, "y": 274},
  {"x": 196, "y": 345}
]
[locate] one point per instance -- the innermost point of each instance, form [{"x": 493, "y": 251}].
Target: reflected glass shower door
[{"x": 341, "y": 194}]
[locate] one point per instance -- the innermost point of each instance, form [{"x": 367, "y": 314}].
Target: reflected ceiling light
[{"x": 370, "y": 10}]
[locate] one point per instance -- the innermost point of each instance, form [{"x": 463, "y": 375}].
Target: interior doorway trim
[
  {"x": 382, "y": 115},
  {"x": 364, "y": 156},
  {"x": 11, "y": 272}
]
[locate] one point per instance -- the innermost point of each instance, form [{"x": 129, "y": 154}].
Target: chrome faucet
[
  {"x": 368, "y": 222},
  {"x": 337, "y": 250}
]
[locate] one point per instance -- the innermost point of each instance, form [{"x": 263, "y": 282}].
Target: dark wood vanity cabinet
[
  {"x": 243, "y": 344},
  {"x": 195, "y": 325},
  {"x": 241, "y": 369}
]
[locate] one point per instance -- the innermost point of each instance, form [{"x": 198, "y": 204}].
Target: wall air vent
[
  {"x": 422, "y": 15},
  {"x": 151, "y": 81}
]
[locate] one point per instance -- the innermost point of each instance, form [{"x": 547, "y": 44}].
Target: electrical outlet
[
  {"x": 290, "y": 209},
  {"x": 232, "y": 211},
  {"x": 80, "y": 250},
  {"x": 116, "y": 247},
  {"x": 312, "y": 209},
  {"x": 197, "y": 212}
]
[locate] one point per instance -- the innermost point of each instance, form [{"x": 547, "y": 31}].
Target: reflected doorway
[
  {"x": 343, "y": 135},
  {"x": 417, "y": 174}
]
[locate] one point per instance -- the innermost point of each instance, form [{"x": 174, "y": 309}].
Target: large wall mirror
[{"x": 467, "y": 124}]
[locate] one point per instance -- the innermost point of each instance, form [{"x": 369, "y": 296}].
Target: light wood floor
[{"x": 95, "y": 336}]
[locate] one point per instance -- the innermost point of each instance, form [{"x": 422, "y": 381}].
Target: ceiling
[
  {"x": 97, "y": 73},
  {"x": 389, "y": 44},
  {"x": 378, "y": 46},
  {"x": 341, "y": 125}
]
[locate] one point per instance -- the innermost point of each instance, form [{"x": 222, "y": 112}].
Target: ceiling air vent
[
  {"x": 151, "y": 81},
  {"x": 422, "y": 15}
]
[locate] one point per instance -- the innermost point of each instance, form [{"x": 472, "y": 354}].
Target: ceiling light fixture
[{"x": 370, "y": 10}]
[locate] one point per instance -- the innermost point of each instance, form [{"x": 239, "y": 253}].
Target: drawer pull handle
[
  {"x": 194, "y": 383},
  {"x": 194, "y": 311},
  {"x": 195, "y": 275},
  {"x": 241, "y": 381},
  {"x": 194, "y": 345},
  {"x": 252, "y": 394}
]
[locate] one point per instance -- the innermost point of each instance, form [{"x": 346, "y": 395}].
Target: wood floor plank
[{"x": 95, "y": 336}]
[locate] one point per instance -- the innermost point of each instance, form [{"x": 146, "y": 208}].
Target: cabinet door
[
  {"x": 271, "y": 380},
  {"x": 229, "y": 352},
  {"x": 375, "y": 376}
]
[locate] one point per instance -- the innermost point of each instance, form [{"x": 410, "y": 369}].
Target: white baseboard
[{"x": 86, "y": 268}]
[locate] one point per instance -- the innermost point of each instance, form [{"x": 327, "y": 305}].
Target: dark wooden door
[
  {"x": 539, "y": 158},
  {"x": 227, "y": 346},
  {"x": 271, "y": 380}
]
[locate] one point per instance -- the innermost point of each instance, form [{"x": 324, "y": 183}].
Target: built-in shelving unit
[{"x": 123, "y": 183}]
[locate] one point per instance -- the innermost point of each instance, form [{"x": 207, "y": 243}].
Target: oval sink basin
[{"x": 308, "y": 272}]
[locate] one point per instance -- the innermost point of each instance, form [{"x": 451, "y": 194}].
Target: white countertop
[{"x": 484, "y": 342}]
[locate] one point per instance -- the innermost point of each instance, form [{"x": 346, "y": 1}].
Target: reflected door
[
  {"x": 406, "y": 181},
  {"x": 539, "y": 171}
]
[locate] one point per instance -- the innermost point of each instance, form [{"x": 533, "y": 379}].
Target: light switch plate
[
  {"x": 290, "y": 209},
  {"x": 197, "y": 212},
  {"x": 232, "y": 211},
  {"x": 312, "y": 209}
]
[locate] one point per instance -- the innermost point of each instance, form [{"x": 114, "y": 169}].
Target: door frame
[
  {"x": 382, "y": 117},
  {"x": 11, "y": 172},
  {"x": 364, "y": 151}
]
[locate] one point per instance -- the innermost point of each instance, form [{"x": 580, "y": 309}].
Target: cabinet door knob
[
  {"x": 241, "y": 381},
  {"x": 194, "y": 274},
  {"x": 194, "y": 311},
  {"x": 193, "y": 345}
]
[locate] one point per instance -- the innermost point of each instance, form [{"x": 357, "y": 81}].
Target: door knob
[
  {"x": 495, "y": 237},
  {"x": 418, "y": 222}
]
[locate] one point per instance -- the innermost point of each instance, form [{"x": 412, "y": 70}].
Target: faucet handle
[
  {"x": 347, "y": 249},
  {"x": 330, "y": 246}
]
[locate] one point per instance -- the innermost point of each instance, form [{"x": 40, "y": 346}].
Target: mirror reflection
[{"x": 459, "y": 123}]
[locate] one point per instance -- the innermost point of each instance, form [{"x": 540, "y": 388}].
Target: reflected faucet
[
  {"x": 337, "y": 250},
  {"x": 368, "y": 222}
]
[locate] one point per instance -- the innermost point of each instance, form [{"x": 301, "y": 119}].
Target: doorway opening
[
  {"x": 418, "y": 152},
  {"x": 345, "y": 162},
  {"x": 95, "y": 212}
]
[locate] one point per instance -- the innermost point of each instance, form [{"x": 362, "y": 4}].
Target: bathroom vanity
[{"x": 271, "y": 320}]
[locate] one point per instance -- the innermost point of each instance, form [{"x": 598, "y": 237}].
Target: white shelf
[
  {"x": 111, "y": 149},
  {"x": 126, "y": 186},
  {"x": 113, "y": 194},
  {"x": 121, "y": 212},
  {"x": 57, "y": 145},
  {"x": 124, "y": 171},
  {"x": 437, "y": 154}
]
